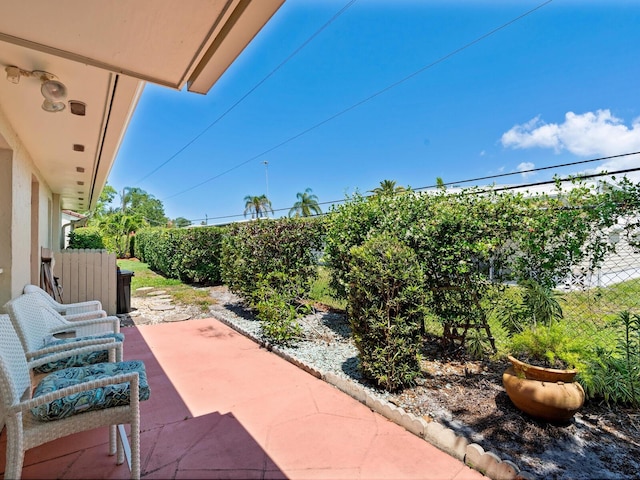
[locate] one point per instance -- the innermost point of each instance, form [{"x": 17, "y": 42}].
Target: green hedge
[
  {"x": 272, "y": 264},
  {"x": 253, "y": 250},
  {"x": 188, "y": 254},
  {"x": 86, "y": 237}
]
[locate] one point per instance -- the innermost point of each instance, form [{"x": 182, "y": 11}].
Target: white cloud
[
  {"x": 524, "y": 166},
  {"x": 588, "y": 134}
]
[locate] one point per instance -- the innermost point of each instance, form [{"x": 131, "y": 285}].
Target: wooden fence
[{"x": 87, "y": 275}]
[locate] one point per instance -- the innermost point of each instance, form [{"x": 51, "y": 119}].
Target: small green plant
[
  {"x": 527, "y": 306},
  {"x": 551, "y": 346},
  {"x": 386, "y": 310},
  {"x": 278, "y": 308},
  {"x": 614, "y": 375},
  {"x": 477, "y": 344}
]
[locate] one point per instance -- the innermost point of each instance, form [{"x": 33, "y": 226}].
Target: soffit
[
  {"x": 103, "y": 51},
  {"x": 160, "y": 41}
]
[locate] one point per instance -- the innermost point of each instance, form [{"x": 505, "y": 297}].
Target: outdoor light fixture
[{"x": 53, "y": 91}]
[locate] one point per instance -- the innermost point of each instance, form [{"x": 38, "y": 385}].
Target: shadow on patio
[{"x": 219, "y": 403}]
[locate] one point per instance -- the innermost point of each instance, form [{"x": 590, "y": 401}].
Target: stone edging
[{"x": 471, "y": 454}]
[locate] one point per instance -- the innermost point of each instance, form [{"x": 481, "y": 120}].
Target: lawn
[{"x": 143, "y": 276}]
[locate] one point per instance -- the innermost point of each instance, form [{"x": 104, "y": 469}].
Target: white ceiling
[{"x": 104, "y": 51}]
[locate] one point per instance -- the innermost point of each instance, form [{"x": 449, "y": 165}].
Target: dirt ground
[{"x": 469, "y": 398}]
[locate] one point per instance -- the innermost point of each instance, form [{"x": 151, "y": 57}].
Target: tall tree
[
  {"x": 102, "y": 207},
  {"x": 388, "y": 187},
  {"x": 181, "y": 222},
  {"x": 257, "y": 206},
  {"x": 306, "y": 205},
  {"x": 136, "y": 201}
]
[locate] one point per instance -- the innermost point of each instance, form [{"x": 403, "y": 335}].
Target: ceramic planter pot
[{"x": 545, "y": 393}]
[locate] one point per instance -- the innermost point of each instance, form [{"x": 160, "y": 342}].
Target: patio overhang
[{"x": 104, "y": 52}]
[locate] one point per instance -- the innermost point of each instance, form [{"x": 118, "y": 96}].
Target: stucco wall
[
  {"x": 5, "y": 221},
  {"x": 18, "y": 172}
]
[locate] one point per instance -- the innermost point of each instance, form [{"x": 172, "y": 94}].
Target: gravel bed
[{"x": 325, "y": 345}]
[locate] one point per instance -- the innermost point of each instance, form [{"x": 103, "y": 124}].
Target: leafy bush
[
  {"x": 189, "y": 254},
  {"x": 386, "y": 310},
  {"x": 251, "y": 251},
  {"x": 86, "y": 237},
  {"x": 466, "y": 240},
  {"x": 614, "y": 376},
  {"x": 272, "y": 264},
  {"x": 527, "y": 306},
  {"x": 549, "y": 346},
  {"x": 276, "y": 300}
]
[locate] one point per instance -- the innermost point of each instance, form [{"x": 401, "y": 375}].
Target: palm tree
[
  {"x": 257, "y": 206},
  {"x": 388, "y": 187},
  {"x": 306, "y": 205}
]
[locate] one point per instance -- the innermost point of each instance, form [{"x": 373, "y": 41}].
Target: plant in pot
[{"x": 531, "y": 315}]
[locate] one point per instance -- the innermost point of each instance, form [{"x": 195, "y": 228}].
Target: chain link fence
[{"x": 592, "y": 300}]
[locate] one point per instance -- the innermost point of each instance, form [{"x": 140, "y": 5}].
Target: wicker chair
[
  {"x": 67, "y": 402},
  {"x": 71, "y": 311},
  {"x": 36, "y": 324}
]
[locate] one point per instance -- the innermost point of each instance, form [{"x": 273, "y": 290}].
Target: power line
[
  {"x": 539, "y": 169},
  {"x": 367, "y": 99},
  {"x": 255, "y": 87},
  {"x": 490, "y": 177}
]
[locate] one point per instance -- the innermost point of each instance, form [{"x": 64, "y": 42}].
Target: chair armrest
[
  {"x": 82, "y": 307},
  {"x": 74, "y": 317},
  {"x": 91, "y": 327},
  {"x": 131, "y": 378}
]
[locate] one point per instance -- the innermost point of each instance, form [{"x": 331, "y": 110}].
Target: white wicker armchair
[
  {"x": 71, "y": 311},
  {"x": 36, "y": 324},
  {"x": 59, "y": 407}
]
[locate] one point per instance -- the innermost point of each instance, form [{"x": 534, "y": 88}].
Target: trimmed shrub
[
  {"x": 386, "y": 310},
  {"x": 188, "y": 254},
  {"x": 86, "y": 237},
  {"x": 276, "y": 302},
  {"x": 272, "y": 264},
  {"x": 253, "y": 250}
]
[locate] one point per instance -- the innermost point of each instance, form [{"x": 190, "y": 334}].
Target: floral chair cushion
[
  {"x": 95, "y": 399},
  {"x": 77, "y": 360}
]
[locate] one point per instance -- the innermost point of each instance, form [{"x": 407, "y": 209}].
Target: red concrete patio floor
[{"x": 222, "y": 407}]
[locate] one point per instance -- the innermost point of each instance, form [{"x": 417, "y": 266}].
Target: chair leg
[
  {"x": 15, "y": 447},
  {"x": 135, "y": 447},
  {"x": 113, "y": 439}
]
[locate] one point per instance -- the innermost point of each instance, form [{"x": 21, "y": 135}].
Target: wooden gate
[{"x": 87, "y": 275}]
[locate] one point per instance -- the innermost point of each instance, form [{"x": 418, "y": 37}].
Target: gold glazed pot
[{"x": 545, "y": 393}]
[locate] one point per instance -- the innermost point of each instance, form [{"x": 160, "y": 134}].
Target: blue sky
[{"x": 558, "y": 85}]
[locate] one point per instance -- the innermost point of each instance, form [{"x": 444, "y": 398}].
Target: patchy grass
[
  {"x": 181, "y": 293},
  {"x": 322, "y": 293},
  {"x": 143, "y": 276}
]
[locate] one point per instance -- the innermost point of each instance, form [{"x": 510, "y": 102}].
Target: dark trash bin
[{"x": 124, "y": 291}]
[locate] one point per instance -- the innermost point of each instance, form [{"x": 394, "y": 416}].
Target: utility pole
[
  {"x": 266, "y": 175},
  {"x": 124, "y": 204}
]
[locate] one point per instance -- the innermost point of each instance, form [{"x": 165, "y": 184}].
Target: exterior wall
[
  {"x": 18, "y": 173},
  {"x": 6, "y": 164}
]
